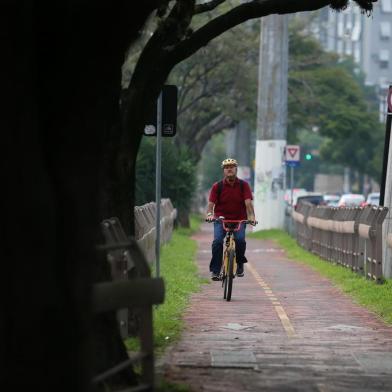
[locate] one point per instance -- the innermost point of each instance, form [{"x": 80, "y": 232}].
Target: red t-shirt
[{"x": 231, "y": 202}]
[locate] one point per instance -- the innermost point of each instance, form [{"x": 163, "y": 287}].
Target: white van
[{"x": 351, "y": 200}]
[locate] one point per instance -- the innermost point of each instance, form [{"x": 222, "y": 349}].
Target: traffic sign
[
  {"x": 293, "y": 163},
  {"x": 169, "y": 114},
  {"x": 292, "y": 153}
]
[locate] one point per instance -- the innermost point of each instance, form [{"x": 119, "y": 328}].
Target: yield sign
[{"x": 292, "y": 153}]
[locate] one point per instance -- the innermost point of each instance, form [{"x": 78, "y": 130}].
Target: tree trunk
[
  {"x": 183, "y": 218},
  {"x": 61, "y": 84}
]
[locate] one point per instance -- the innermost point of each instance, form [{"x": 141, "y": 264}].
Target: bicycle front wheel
[
  {"x": 224, "y": 280},
  {"x": 229, "y": 276}
]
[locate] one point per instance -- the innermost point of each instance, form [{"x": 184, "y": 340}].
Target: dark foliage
[{"x": 178, "y": 177}]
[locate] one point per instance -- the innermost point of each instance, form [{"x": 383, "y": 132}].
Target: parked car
[
  {"x": 296, "y": 192},
  {"x": 373, "y": 199},
  {"x": 351, "y": 200},
  {"x": 312, "y": 197},
  {"x": 331, "y": 200}
]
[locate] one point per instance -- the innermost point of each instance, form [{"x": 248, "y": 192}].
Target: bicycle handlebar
[{"x": 225, "y": 221}]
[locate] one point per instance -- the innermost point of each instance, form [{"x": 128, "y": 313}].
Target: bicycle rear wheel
[{"x": 229, "y": 276}]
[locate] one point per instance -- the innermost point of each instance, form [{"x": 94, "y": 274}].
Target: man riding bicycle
[{"x": 232, "y": 199}]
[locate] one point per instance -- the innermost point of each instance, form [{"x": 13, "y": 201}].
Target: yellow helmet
[{"x": 229, "y": 161}]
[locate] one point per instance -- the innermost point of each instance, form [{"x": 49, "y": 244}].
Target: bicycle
[{"x": 229, "y": 263}]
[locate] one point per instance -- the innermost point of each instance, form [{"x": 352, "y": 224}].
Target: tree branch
[
  {"x": 200, "y": 8},
  {"x": 244, "y": 12},
  {"x": 199, "y": 127},
  {"x": 191, "y": 87},
  {"x": 217, "y": 125}
]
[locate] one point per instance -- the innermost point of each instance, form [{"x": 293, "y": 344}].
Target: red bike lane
[{"x": 286, "y": 329}]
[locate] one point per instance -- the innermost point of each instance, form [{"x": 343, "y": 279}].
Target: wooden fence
[
  {"x": 145, "y": 232},
  {"x": 132, "y": 291}
]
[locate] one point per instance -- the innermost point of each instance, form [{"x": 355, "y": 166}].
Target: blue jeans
[{"x": 217, "y": 246}]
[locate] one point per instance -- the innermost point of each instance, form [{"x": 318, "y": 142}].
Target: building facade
[{"x": 368, "y": 39}]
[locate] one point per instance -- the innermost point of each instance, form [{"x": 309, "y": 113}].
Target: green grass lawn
[
  {"x": 179, "y": 271},
  {"x": 376, "y": 297}
]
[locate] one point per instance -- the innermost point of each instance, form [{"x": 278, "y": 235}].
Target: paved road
[{"x": 285, "y": 329}]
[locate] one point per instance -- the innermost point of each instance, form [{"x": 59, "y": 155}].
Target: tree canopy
[
  {"x": 325, "y": 92},
  {"x": 325, "y": 95},
  {"x": 216, "y": 88}
]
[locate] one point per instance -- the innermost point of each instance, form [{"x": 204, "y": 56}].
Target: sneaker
[
  {"x": 240, "y": 269},
  {"x": 215, "y": 276}
]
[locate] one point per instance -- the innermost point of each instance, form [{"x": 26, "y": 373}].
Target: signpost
[
  {"x": 292, "y": 155},
  {"x": 292, "y": 159},
  {"x": 168, "y": 110},
  {"x": 163, "y": 123}
]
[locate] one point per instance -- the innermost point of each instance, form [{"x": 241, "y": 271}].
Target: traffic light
[{"x": 308, "y": 156}]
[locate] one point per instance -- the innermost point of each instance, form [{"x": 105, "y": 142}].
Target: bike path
[{"x": 287, "y": 328}]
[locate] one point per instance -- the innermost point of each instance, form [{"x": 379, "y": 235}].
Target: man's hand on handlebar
[
  {"x": 252, "y": 220},
  {"x": 209, "y": 217}
]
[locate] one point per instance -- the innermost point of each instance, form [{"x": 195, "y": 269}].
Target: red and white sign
[{"x": 292, "y": 153}]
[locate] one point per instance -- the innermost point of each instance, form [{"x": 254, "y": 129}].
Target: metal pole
[
  {"x": 286, "y": 207},
  {"x": 292, "y": 185},
  {"x": 291, "y": 197},
  {"x": 385, "y": 159},
  {"x": 386, "y": 190},
  {"x": 158, "y": 183}
]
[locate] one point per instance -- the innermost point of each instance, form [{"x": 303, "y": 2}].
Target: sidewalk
[{"x": 285, "y": 329}]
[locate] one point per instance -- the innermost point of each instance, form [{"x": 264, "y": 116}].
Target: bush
[{"x": 178, "y": 175}]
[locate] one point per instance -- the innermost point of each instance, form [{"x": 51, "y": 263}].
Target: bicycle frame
[
  {"x": 229, "y": 264},
  {"x": 229, "y": 241}
]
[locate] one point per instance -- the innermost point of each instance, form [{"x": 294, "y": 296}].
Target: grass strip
[
  {"x": 375, "y": 297},
  {"x": 180, "y": 274},
  {"x": 179, "y": 271}
]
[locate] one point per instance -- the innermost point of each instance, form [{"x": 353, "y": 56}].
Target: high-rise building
[{"x": 368, "y": 39}]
